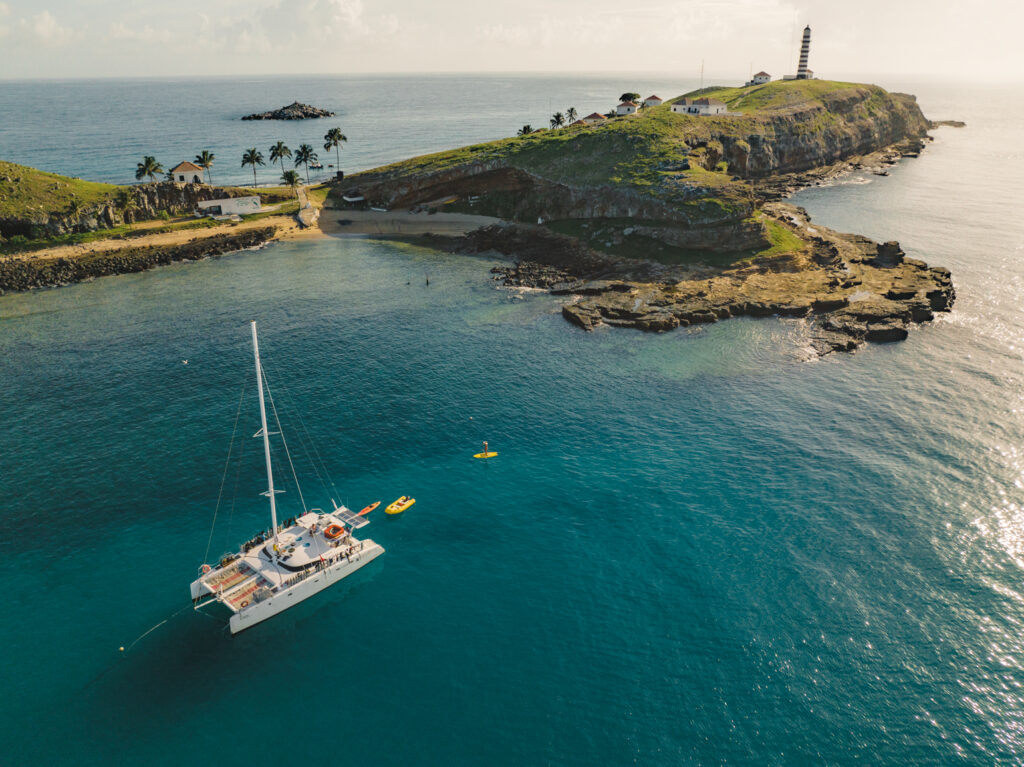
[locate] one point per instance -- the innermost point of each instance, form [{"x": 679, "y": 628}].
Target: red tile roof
[
  {"x": 652, "y": 98},
  {"x": 595, "y": 116},
  {"x": 762, "y": 74},
  {"x": 628, "y": 104},
  {"x": 186, "y": 166}
]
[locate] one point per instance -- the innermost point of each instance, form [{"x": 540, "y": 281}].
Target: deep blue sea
[{"x": 693, "y": 548}]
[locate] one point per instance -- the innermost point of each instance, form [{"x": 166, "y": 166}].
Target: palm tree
[
  {"x": 278, "y": 152},
  {"x": 205, "y": 161},
  {"x": 332, "y": 140},
  {"x": 526, "y": 130},
  {"x": 291, "y": 178},
  {"x": 149, "y": 167},
  {"x": 252, "y": 157},
  {"x": 570, "y": 114},
  {"x": 304, "y": 155},
  {"x": 557, "y": 120}
]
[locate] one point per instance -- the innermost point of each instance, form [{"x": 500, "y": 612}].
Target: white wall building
[
  {"x": 701, "y": 107},
  {"x": 187, "y": 173},
  {"x": 626, "y": 108},
  {"x": 760, "y": 78},
  {"x": 594, "y": 118},
  {"x": 230, "y": 206},
  {"x": 653, "y": 101}
]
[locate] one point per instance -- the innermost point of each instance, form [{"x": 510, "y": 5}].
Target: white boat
[{"x": 277, "y": 570}]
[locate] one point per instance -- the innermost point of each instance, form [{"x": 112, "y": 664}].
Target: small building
[
  {"x": 708, "y": 106},
  {"x": 760, "y": 79},
  {"x": 626, "y": 108},
  {"x": 594, "y": 118},
  {"x": 187, "y": 173},
  {"x": 229, "y": 206},
  {"x": 684, "y": 106},
  {"x": 701, "y": 107},
  {"x": 653, "y": 101}
]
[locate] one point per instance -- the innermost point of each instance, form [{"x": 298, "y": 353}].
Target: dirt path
[{"x": 287, "y": 227}]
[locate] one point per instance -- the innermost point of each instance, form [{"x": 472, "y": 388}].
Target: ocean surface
[{"x": 693, "y": 548}]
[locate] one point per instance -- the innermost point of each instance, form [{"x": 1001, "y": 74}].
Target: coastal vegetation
[
  {"x": 304, "y": 155},
  {"x": 148, "y": 168},
  {"x": 333, "y": 139},
  {"x": 278, "y": 152},
  {"x": 253, "y": 157},
  {"x": 205, "y": 161},
  {"x": 290, "y": 178}
]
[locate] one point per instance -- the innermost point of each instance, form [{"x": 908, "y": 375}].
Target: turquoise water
[{"x": 692, "y": 549}]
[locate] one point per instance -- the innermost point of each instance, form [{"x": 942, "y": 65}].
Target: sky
[{"x": 141, "y": 38}]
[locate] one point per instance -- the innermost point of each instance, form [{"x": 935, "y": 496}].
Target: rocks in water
[
  {"x": 851, "y": 289},
  {"x": 294, "y": 111}
]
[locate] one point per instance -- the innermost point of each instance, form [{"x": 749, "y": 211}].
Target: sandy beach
[{"x": 398, "y": 223}]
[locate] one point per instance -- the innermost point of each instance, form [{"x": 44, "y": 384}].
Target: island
[
  {"x": 294, "y": 111},
  {"x": 665, "y": 218},
  {"x": 655, "y": 220}
]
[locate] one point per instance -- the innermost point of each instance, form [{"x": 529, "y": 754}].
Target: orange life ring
[
  {"x": 245, "y": 603},
  {"x": 206, "y": 569},
  {"x": 333, "y": 531}
]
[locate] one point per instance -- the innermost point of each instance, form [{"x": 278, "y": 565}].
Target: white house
[
  {"x": 760, "y": 79},
  {"x": 702, "y": 106},
  {"x": 706, "y": 106},
  {"x": 653, "y": 101},
  {"x": 684, "y": 106},
  {"x": 229, "y": 206},
  {"x": 594, "y": 118},
  {"x": 626, "y": 108},
  {"x": 187, "y": 172}
]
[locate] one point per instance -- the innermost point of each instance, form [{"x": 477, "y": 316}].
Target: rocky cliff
[
  {"x": 663, "y": 219},
  {"x": 126, "y": 204}
]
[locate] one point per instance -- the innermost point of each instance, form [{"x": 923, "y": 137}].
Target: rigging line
[
  {"x": 288, "y": 401},
  {"x": 224, "y": 476},
  {"x": 284, "y": 442},
  {"x": 234, "y": 495},
  {"x": 312, "y": 444}
]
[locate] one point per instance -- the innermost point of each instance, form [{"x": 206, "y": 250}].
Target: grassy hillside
[
  {"x": 805, "y": 121},
  {"x": 781, "y": 95},
  {"x": 25, "y": 191}
]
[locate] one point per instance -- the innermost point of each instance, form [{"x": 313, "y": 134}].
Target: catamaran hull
[{"x": 257, "y": 612}]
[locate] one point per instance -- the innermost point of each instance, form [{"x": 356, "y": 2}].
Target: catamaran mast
[{"x": 266, "y": 437}]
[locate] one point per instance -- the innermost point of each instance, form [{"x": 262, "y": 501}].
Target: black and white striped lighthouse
[{"x": 802, "y": 72}]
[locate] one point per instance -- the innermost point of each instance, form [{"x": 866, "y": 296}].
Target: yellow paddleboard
[{"x": 484, "y": 455}]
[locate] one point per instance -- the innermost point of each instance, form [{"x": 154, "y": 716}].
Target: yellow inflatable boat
[{"x": 400, "y": 505}]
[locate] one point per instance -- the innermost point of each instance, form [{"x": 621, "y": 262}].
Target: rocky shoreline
[
  {"x": 27, "y": 274},
  {"x": 852, "y": 290},
  {"x": 294, "y": 111}
]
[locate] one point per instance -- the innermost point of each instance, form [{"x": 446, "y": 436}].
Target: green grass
[
  {"x": 779, "y": 94},
  {"x": 26, "y": 192}
]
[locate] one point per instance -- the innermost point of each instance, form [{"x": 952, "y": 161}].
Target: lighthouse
[{"x": 802, "y": 72}]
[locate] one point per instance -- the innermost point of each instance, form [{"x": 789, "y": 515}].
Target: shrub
[{"x": 165, "y": 216}]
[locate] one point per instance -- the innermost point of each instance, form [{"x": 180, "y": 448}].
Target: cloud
[
  {"x": 119, "y": 31},
  {"x": 46, "y": 30}
]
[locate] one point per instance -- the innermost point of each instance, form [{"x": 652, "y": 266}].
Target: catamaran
[{"x": 278, "y": 569}]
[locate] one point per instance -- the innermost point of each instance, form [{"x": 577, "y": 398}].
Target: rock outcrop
[
  {"x": 850, "y": 288},
  {"x": 294, "y": 111},
  {"x": 140, "y": 202}
]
